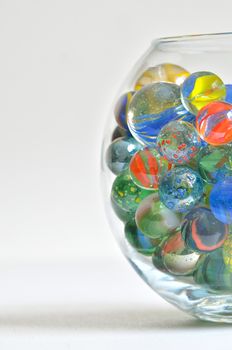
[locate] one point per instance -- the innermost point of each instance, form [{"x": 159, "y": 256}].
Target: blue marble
[
  {"x": 148, "y": 126},
  {"x": 121, "y": 109},
  {"x": 228, "y": 97},
  {"x": 180, "y": 189},
  {"x": 201, "y": 231},
  {"x": 151, "y": 108},
  {"x": 221, "y": 200}
]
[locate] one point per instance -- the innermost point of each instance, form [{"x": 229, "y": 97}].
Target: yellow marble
[
  {"x": 201, "y": 88},
  {"x": 166, "y": 72}
]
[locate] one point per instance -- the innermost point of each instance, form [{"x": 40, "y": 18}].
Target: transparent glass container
[{"x": 213, "y": 53}]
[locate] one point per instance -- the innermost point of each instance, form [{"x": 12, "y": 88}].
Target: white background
[{"x": 63, "y": 282}]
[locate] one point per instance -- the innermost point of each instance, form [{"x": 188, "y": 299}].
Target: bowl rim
[{"x": 192, "y": 37}]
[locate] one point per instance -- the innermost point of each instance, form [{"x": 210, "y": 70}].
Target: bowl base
[
  {"x": 183, "y": 293},
  {"x": 214, "y": 309}
]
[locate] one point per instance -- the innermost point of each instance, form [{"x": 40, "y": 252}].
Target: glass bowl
[{"x": 167, "y": 172}]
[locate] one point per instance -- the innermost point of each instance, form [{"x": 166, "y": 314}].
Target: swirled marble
[
  {"x": 165, "y": 72},
  {"x": 154, "y": 219},
  {"x": 214, "y": 123},
  {"x": 177, "y": 258},
  {"x": 151, "y": 108},
  {"x": 212, "y": 272},
  {"x": 202, "y": 232},
  {"x": 121, "y": 109},
  {"x": 215, "y": 163},
  {"x": 147, "y": 166},
  {"x": 138, "y": 240},
  {"x": 201, "y": 88}
]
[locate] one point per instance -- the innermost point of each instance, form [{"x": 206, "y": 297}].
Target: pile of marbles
[{"x": 171, "y": 154}]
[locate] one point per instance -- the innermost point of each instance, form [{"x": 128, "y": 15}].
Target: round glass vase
[{"x": 213, "y": 53}]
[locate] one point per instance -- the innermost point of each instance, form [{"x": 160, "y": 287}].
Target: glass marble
[
  {"x": 154, "y": 219},
  {"x": 157, "y": 259},
  {"x": 121, "y": 109},
  {"x": 221, "y": 201},
  {"x": 201, "y": 88},
  {"x": 151, "y": 108},
  {"x": 138, "y": 240},
  {"x": 178, "y": 142},
  {"x": 119, "y": 132},
  {"x": 120, "y": 152},
  {"x": 177, "y": 258},
  {"x": 212, "y": 272},
  {"x": 202, "y": 232},
  {"x": 214, "y": 123},
  {"x": 126, "y": 196},
  {"x": 214, "y": 164},
  {"x": 165, "y": 72},
  {"x": 227, "y": 252},
  {"x": 146, "y": 167},
  {"x": 228, "y": 97},
  {"x": 180, "y": 189}
]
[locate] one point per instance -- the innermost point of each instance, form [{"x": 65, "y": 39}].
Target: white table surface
[{"x": 100, "y": 305}]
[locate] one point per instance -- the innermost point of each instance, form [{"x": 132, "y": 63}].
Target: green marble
[
  {"x": 227, "y": 252},
  {"x": 157, "y": 259},
  {"x": 154, "y": 219},
  {"x": 213, "y": 273},
  {"x": 126, "y": 196},
  {"x": 206, "y": 193},
  {"x": 138, "y": 240},
  {"x": 215, "y": 163}
]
